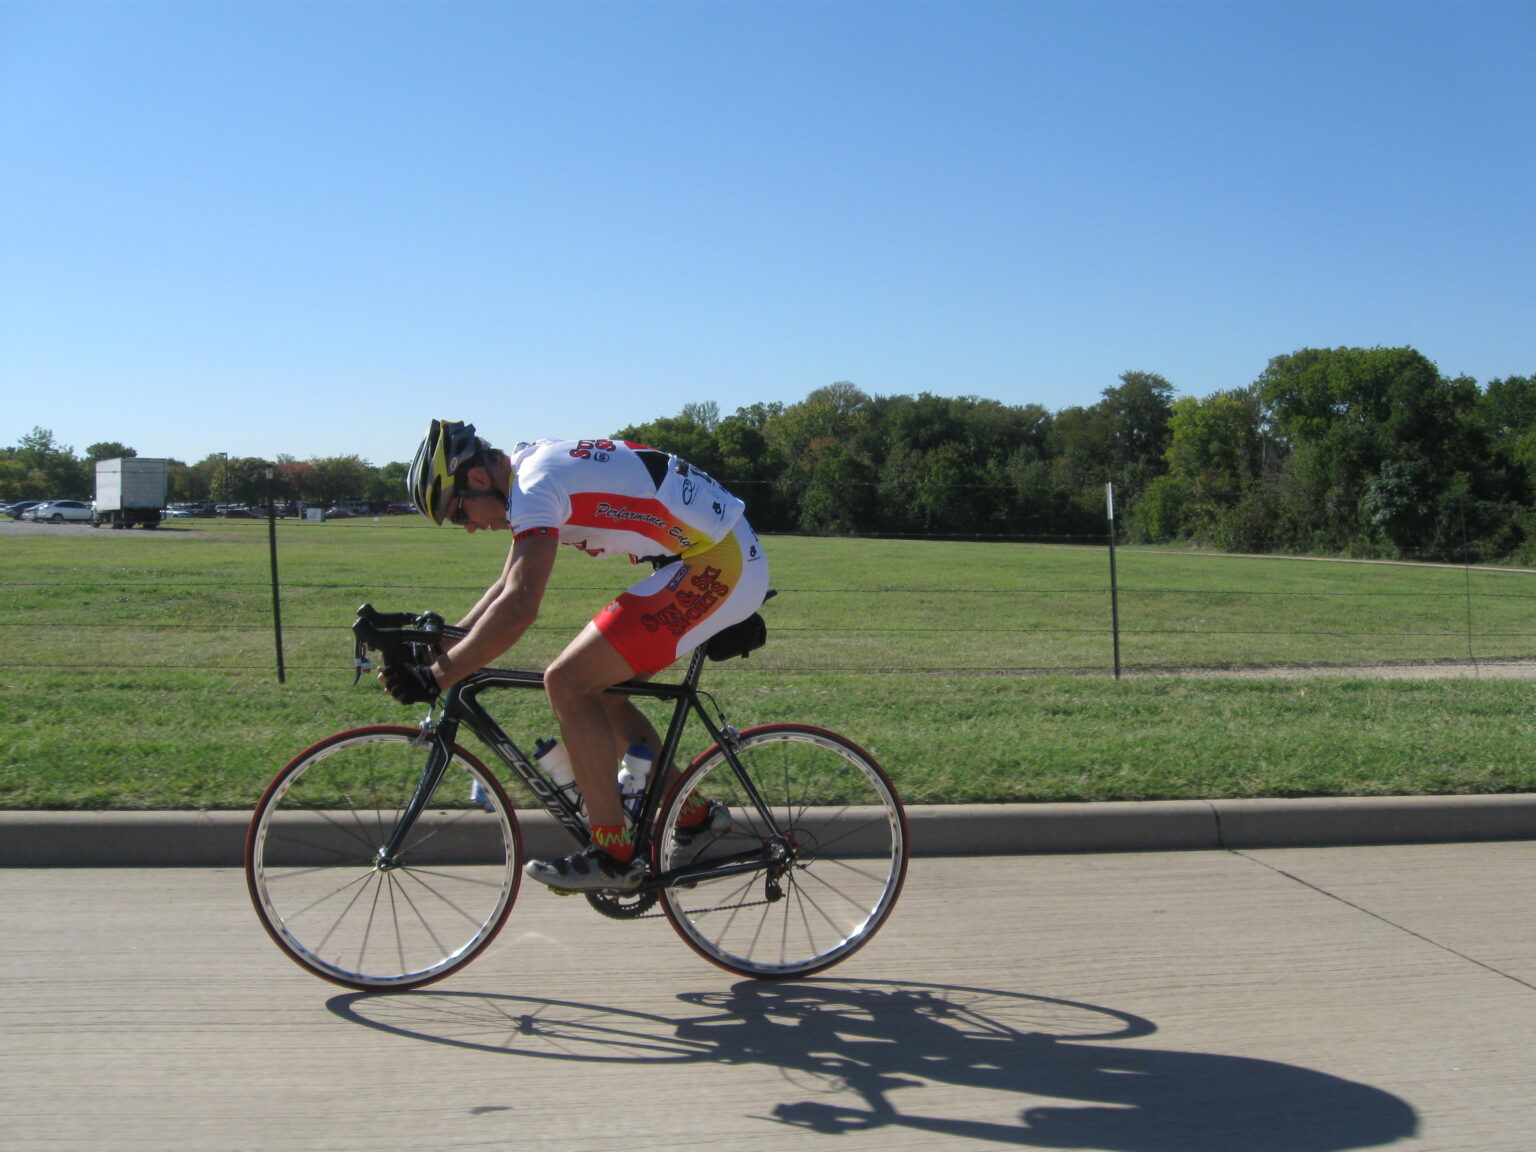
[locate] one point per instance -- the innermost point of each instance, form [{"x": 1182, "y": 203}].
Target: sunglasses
[{"x": 458, "y": 517}]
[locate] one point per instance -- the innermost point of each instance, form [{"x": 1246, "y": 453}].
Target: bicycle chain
[{"x": 715, "y": 908}]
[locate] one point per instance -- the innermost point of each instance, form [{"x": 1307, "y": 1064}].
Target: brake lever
[{"x": 360, "y": 660}]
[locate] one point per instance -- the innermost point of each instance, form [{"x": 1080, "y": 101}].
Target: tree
[
  {"x": 749, "y": 466},
  {"x": 757, "y": 415},
  {"x": 1082, "y": 444},
  {"x": 1344, "y": 415},
  {"x": 1215, "y": 455},
  {"x": 13, "y": 477},
  {"x": 838, "y": 493},
  {"x": 108, "y": 450},
  {"x": 1508, "y": 406},
  {"x": 802, "y": 438},
  {"x": 946, "y": 495},
  {"x": 1215, "y": 440},
  {"x": 337, "y": 478},
  {"x": 1136, "y": 414},
  {"x": 837, "y": 412},
  {"x": 183, "y": 484},
  {"x": 704, "y": 413},
  {"x": 41, "y": 468},
  {"x": 1506, "y": 414},
  {"x": 388, "y": 484},
  {"x": 204, "y": 474},
  {"x": 240, "y": 480},
  {"x": 298, "y": 477}
]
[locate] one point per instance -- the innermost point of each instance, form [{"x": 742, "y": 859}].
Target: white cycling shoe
[
  {"x": 688, "y": 844},
  {"x": 590, "y": 870}
]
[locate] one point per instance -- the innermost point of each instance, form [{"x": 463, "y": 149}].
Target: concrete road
[{"x": 1270, "y": 1000}]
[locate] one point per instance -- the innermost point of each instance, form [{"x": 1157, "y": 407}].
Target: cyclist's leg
[
  {"x": 630, "y": 725},
  {"x": 680, "y": 606},
  {"x": 641, "y": 632},
  {"x": 575, "y": 682}
]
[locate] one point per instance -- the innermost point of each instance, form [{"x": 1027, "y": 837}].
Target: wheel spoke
[
  {"x": 839, "y": 865},
  {"x": 336, "y": 905},
  {"x": 299, "y": 913}
]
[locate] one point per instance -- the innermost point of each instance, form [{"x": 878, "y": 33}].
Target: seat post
[{"x": 695, "y": 666}]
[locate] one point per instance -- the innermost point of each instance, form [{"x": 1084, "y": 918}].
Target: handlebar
[{"x": 398, "y": 637}]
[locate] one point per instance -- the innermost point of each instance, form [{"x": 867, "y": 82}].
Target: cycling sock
[
  {"x": 695, "y": 809},
  {"x": 614, "y": 839}
]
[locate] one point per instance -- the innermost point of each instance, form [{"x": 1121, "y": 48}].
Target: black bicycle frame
[{"x": 461, "y": 706}]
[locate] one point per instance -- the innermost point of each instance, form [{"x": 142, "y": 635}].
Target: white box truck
[{"x": 129, "y": 490}]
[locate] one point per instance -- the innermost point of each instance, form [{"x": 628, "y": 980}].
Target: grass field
[{"x": 142, "y": 670}]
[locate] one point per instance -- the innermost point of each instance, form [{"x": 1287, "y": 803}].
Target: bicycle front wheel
[
  {"x": 814, "y": 885},
  {"x": 332, "y": 899}
]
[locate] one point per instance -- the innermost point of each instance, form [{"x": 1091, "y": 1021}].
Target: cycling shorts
[{"x": 685, "y": 602}]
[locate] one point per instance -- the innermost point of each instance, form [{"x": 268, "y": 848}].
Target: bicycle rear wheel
[
  {"x": 317, "y": 877},
  {"x": 822, "y": 886}
]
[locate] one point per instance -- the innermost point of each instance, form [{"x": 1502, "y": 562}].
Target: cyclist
[{"x": 605, "y": 497}]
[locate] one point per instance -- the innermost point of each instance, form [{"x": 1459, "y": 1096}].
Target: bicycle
[{"x": 388, "y": 857}]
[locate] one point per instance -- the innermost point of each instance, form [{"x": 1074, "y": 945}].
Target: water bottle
[
  {"x": 550, "y": 755},
  {"x": 634, "y": 771}
]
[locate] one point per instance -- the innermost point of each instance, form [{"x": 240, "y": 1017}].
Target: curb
[{"x": 217, "y": 839}]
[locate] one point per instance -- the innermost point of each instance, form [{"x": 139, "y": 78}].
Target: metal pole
[
  {"x": 1114, "y": 584},
  {"x": 277, "y": 610}
]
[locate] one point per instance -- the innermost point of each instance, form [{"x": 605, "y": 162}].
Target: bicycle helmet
[{"x": 449, "y": 449}]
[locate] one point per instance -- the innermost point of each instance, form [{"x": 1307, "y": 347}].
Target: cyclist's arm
[
  {"x": 490, "y": 595},
  {"x": 505, "y": 612}
]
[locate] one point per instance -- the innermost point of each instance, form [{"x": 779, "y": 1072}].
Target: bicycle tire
[
  {"x": 846, "y": 844},
  {"x": 315, "y": 878}
]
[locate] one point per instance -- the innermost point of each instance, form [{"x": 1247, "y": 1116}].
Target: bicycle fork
[{"x": 441, "y": 738}]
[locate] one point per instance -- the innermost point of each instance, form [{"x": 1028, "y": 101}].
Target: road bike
[{"x": 388, "y": 857}]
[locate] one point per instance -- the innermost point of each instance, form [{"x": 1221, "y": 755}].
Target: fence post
[
  {"x": 1466, "y": 570},
  {"x": 1114, "y": 584},
  {"x": 277, "y": 612}
]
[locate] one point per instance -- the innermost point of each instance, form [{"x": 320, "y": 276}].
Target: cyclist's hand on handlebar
[{"x": 410, "y": 683}]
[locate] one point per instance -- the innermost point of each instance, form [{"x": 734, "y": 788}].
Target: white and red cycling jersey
[{"x": 610, "y": 497}]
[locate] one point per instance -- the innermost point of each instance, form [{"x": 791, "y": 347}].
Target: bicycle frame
[{"x": 461, "y": 706}]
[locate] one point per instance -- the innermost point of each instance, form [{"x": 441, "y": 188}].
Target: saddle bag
[{"x": 747, "y": 636}]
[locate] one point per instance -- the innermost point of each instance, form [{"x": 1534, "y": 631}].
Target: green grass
[{"x": 141, "y": 670}]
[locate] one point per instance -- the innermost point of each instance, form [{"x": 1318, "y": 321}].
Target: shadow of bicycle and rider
[{"x": 848, "y": 1048}]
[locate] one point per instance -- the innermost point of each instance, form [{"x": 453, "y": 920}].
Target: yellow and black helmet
[{"x": 449, "y": 449}]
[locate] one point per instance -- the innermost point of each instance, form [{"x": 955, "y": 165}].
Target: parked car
[
  {"x": 58, "y": 511},
  {"x": 175, "y": 512},
  {"x": 15, "y": 510},
  {"x": 340, "y": 514}
]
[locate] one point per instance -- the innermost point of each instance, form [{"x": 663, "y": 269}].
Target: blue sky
[{"x": 256, "y": 227}]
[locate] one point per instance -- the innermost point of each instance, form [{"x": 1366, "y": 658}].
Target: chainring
[{"x": 622, "y": 906}]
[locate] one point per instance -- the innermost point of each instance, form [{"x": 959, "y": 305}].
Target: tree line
[
  {"x": 39, "y": 467},
  {"x": 1344, "y": 451},
  {"x": 1352, "y": 451}
]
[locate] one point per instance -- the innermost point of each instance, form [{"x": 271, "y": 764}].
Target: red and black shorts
[{"x": 684, "y": 603}]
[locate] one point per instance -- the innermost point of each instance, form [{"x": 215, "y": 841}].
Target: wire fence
[{"x": 1006, "y": 606}]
